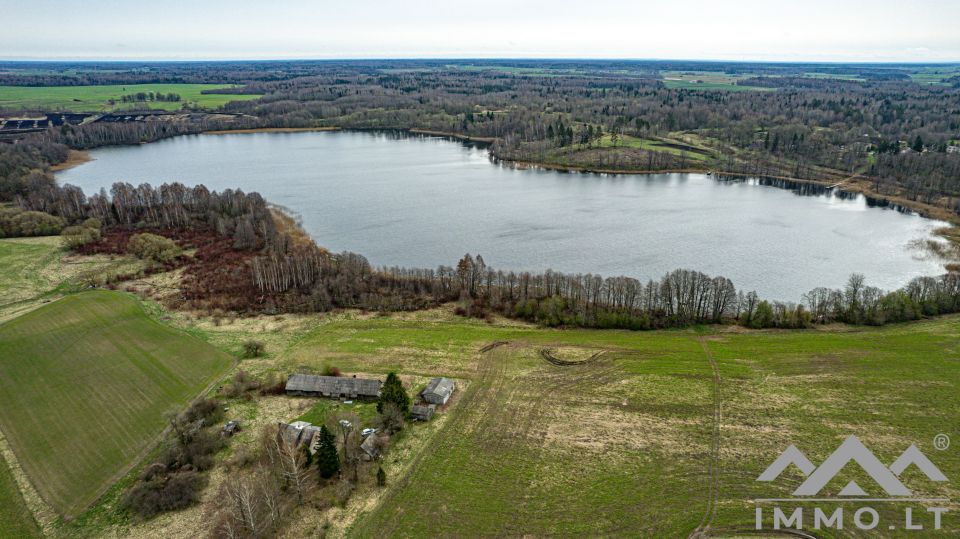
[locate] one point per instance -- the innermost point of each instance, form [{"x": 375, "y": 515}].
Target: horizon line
[{"x": 158, "y": 59}]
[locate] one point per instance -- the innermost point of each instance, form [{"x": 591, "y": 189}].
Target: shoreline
[
  {"x": 267, "y": 130},
  {"x": 467, "y": 138},
  {"x": 850, "y": 185},
  {"x": 75, "y": 158}
]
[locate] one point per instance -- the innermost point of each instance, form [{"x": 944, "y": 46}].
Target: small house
[
  {"x": 370, "y": 448},
  {"x": 420, "y": 412},
  {"x": 300, "y": 433},
  {"x": 438, "y": 391},
  {"x": 333, "y": 387}
]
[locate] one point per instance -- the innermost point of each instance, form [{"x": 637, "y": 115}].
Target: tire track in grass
[
  {"x": 713, "y": 466},
  {"x": 482, "y": 389}
]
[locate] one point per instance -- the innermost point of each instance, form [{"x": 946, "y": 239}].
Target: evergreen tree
[
  {"x": 328, "y": 461},
  {"x": 917, "y": 144},
  {"x": 308, "y": 456},
  {"x": 393, "y": 392},
  {"x": 381, "y": 477}
]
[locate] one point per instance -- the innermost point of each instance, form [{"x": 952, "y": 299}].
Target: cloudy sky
[{"x": 809, "y": 30}]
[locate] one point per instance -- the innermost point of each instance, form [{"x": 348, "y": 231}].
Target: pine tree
[
  {"x": 393, "y": 391},
  {"x": 328, "y": 461},
  {"x": 308, "y": 456},
  {"x": 918, "y": 144},
  {"x": 381, "y": 477}
]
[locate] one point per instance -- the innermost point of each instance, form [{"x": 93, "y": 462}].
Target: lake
[{"x": 423, "y": 201}]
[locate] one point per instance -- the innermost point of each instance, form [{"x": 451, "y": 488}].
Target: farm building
[
  {"x": 438, "y": 391},
  {"x": 300, "y": 433},
  {"x": 334, "y": 387},
  {"x": 420, "y": 412},
  {"x": 371, "y": 447}
]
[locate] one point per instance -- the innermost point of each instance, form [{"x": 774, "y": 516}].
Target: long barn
[{"x": 334, "y": 387}]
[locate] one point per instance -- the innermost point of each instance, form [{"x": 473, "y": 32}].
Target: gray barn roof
[
  {"x": 333, "y": 385},
  {"x": 440, "y": 387}
]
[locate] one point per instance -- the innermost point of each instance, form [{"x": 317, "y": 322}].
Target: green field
[
  {"x": 98, "y": 98},
  {"x": 84, "y": 385},
  {"x": 675, "y": 147},
  {"x": 708, "y": 80},
  {"x": 15, "y": 517},
  {"x": 531, "y": 448},
  {"x": 662, "y": 433}
]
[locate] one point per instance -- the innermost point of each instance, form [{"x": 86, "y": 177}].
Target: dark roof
[
  {"x": 442, "y": 387},
  {"x": 424, "y": 413},
  {"x": 333, "y": 385},
  {"x": 298, "y": 433}
]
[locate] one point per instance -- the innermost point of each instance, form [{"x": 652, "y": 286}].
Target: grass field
[
  {"x": 84, "y": 385},
  {"x": 661, "y": 433},
  {"x": 623, "y": 445},
  {"x": 707, "y": 80},
  {"x": 674, "y": 147},
  {"x": 98, "y": 98},
  {"x": 15, "y": 518},
  {"x": 38, "y": 270}
]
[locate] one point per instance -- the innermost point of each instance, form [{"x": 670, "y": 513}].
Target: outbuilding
[
  {"x": 334, "y": 387},
  {"x": 420, "y": 412},
  {"x": 438, "y": 391}
]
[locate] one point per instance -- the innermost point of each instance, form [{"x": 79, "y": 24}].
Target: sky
[{"x": 750, "y": 30}]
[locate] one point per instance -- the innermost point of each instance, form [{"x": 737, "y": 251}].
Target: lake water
[{"x": 423, "y": 201}]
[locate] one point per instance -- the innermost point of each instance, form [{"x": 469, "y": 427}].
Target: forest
[
  {"x": 250, "y": 258},
  {"x": 803, "y": 121},
  {"x": 826, "y": 122}
]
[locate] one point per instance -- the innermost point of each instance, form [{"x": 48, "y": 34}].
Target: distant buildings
[
  {"x": 438, "y": 391},
  {"x": 953, "y": 149},
  {"x": 333, "y": 387}
]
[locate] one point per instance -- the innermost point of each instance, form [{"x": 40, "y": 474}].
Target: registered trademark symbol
[{"x": 941, "y": 442}]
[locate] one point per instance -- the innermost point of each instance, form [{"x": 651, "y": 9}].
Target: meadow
[
  {"x": 646, "y": 434},
  {"x": 109, "y": 97},
  {"x": 634, "y": 437},
  {"x": 707, "y": 80},
  {"x": 85, "y": 383}
]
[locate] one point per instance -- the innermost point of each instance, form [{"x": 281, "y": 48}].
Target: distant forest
[
  {"x": 817, "y": 122},
  {"x": 898, "y": 137}
]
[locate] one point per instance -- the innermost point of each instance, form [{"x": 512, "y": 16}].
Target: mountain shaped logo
[{"x": 852, "y": 450}]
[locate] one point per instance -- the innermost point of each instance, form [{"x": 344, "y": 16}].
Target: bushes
[
  {"x": 252, "y": 349},
  {"x": 163, "y": 493},
  {"x": 75, "y": 237},
  {"x": 174, "y": 481},
  {"x": 153, "y": 247},
  {"x": 331, "y": 370},
  {"x": 15, "y": 222}
]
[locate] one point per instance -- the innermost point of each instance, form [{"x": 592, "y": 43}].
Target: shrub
[
  {"x": 78, "y": 236},
  {"x": 164, "y": 493},
  {"x": 153, "y": 247},
  {"x": 252, "y": 349},
  {"x": 390, "y": 420},
  {"x": 331, "y": 370},
  {"x": 16, "y": 222}
]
